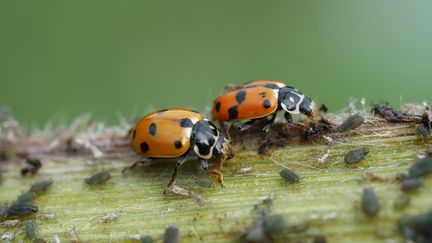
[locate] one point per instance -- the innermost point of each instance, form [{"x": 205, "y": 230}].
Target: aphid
[
  {"x": 262, "y": 99},
  {"x": 33, "y": 165},
  {"x": 424, "y": 128},
  {"x": 172, "y": 234},
  {"x": 356, "y": 155},
  {"x": 370, "y": 203},
  {"x": 351, "y": 123},
  {"x": 3, "y": 211},
  {"x": 412, "y": 184},
  {"x": 289, "y": 175},
  {"x": 177, "y": 133},
  {"x": 41, "y": 186},
  {"x": 22, "y": 206},
  {"x": 320, "y": 239},
  {"x": 98, "y": 178},
  {"x": 30, "y": 229},
  {"x": 147, "y": 239},
  {"x": 416, "y": 228},
  {"x": 402, "y": 201},
  {"x": 421, "y": 167}
]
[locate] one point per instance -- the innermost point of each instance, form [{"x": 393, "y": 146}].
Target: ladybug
[
  {"x": 176, "y": 134},
  {"x": 260, "y": 99}
]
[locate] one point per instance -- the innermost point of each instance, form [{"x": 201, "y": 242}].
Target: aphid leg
[
  {"x": 246, "y": 125},
  {"x": 142, "y": 162},
  {"x": 179, "y": 162},
  {"x": 288, "y": 117},
  {"x": 203, "y": 164},
  {"x": 269, "y": 123}
]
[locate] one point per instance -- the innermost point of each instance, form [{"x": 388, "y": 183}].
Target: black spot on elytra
[
  {"x": 233, "y": 112},
  {"x": 134, "y": 134},
  {"x": 263, "y": 94},
  {"x": 152, "y": 129},
  {"x": 178, "y": 144},
  {"x": 240, "y": 96},
  {"x": 186, "y": 122},
  {"x": 217, "y": 107},
  {"x": 271, "y": 86},
  {"x": 267, "y": 104},
  {"x": 144, "y": 147}
]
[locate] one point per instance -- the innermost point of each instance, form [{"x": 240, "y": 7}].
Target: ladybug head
[
  {"x": 294, "y": 102},
  {"x": 208, "y": 141}
]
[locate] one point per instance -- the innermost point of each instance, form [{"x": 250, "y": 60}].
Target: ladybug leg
[
  {"x": 269, "y": 123},
  {"x": 288, "y": 117},
  {"x": 179, "y": 162},
  {"x": 142, "y": 162},
  {"x": 204, "y": 164},
  {"x": 217, "y": 173},
  {"x": 246, "y": 125}
]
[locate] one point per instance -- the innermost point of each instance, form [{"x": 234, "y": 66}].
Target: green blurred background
[{"x": 105, "y": 57}]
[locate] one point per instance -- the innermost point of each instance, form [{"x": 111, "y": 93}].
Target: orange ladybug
[
  {"x": 260, "y": 99},
  {"x": 177, "y": 133}
]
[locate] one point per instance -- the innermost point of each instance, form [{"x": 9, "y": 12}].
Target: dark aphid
[
  {"x": 30, "y": 229},
  {"x": 147, "y": 239},
  {"x": 424, "y": 128},
  {"x": 289, "y": 175},
  {"x": 421, "y": 167},
  {"x": 274, "y": 225},
  {"x": 412, "y": 184},
  {"x": 388, "y": 113},
  {"x": 320, "y": 239},
  {"x": 402, "y": 201},
  {"x": 351, "y": 123},
  {"x": 429, "y": 152},
  {"x": 33, "y": 165},
  {"x": 3, "y": 212},
  {"x": 98, "y": 178},
  {"x": 355, "y": 155},
  {"x": 416, "y": 228},
  {"x": 423, "y": 131},
  {"x": 370, "y": 203},
  {"x": 23, "y": 206},
  {"x": 41, "y": 186},
  {"x": 172, "y": 234}
]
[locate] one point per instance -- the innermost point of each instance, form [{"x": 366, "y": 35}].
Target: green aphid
[
  {"x": 289, "y": 175},
  {"x": 370, "y": 203},
  {"x": 172, "y": 234},
  {"x": 402, "y": 201},
  {"x": 147, "y": 239},
  {"x": 30, "y": 229}
]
